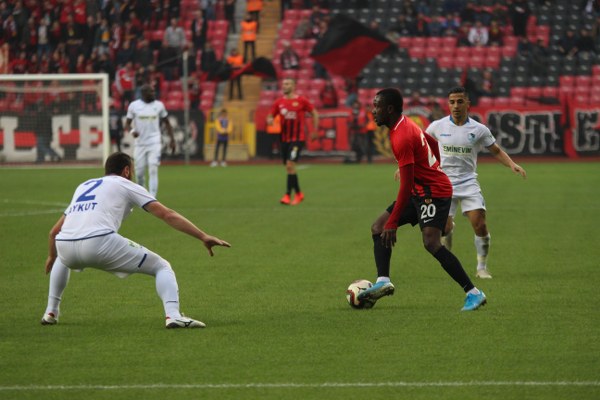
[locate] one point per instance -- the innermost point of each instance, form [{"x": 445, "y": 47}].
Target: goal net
[{"x": 49, "y": 118}]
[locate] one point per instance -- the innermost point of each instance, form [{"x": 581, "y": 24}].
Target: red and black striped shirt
[{"x": 293, "y": 118}]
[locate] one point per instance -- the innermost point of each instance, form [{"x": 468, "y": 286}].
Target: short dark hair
[
  {"x": 392, "y": 97},
  {"x": 458, "y": 89},
  {"x": 116, "y": 162}
]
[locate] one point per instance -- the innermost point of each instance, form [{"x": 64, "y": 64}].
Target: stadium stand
[{"x": 526, "y": 70}]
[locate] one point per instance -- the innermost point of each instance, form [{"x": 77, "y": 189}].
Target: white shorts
[
  {"x": 467, "y": 203},
  {"x": 111, "y": 253},
  {"x": 145, "y": 156}
]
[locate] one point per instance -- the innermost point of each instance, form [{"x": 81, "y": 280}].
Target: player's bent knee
[{"x": 153, "y": 264}]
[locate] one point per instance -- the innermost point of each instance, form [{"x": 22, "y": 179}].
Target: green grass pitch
[{"x": 278, "y": 323}]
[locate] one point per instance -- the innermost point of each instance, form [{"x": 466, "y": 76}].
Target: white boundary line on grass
[
  {"x": 291, "y": 385},
  {"x": 25, "y": 213}
]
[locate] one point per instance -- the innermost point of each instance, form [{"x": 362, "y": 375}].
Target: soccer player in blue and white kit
[
  {"x": 147, "y": 115},
  {"x": 460, "y": 139},
  {"x": 86, "y": 235}
]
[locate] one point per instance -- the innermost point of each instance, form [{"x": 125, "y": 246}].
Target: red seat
[
  {"x": 449, "y": 41},
  {"x": 534, "y": 92},
  {"x": 476, "y": 62},
  {"x": 583, "y": 80},
  {"x": 582, "y": 98},
  {"x": 518, "y": 91},
  {"x": 419, "y": 41},
  {"x": 446, "y": 51},
  {"x": 509, "y": 51},
  {"x": 502, "y": 101},
  {"x": 486, "y": 101},
  {"x": 405, "y": 42},
  {"x": 491, "y": 61},
  {"x": 550, "y": 91},
  {"x": 417, "y": 52},
  {"x": 445, "y": 62},
  {"x": 566, "y": 80},
  {"x": 463, "y": 51}
]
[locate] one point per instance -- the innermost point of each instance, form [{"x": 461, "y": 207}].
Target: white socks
[
  {"x": 168, "y": 291},
  {"x": 482, "y": 246},
  {"x": 59, "y": 277},
  {"x": 383, "y": 279}
]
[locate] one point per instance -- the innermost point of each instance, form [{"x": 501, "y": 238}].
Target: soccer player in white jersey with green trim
[
  {"x": 147, "y": 114},
  {"x": 86, "y": 235},
  {"x": 460, "y": 140}
]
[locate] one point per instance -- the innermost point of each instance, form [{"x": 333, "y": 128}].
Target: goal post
[{"x": 53, "y": 117}]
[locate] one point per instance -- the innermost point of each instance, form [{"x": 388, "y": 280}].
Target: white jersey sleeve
[{"x": 99, "y": 206}]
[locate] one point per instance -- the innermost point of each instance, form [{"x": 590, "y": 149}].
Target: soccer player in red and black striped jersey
[
  {"x": 424, "y": 197},
  {"x": 292, "y": 109}
]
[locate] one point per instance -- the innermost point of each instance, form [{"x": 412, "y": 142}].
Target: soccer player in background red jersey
[
  {"x": 424, "y": 197},
  {"x": 292, "y": 109}
]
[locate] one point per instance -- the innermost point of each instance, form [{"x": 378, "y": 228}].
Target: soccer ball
[{"x": 352, "y": 294}]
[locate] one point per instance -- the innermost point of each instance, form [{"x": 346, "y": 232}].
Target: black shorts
[
  {"x": 425, "y": 211},
  {"x": 290, "y": 151}
]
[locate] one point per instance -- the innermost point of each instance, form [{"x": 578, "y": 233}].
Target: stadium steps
[{"x": 251, "y": 85}]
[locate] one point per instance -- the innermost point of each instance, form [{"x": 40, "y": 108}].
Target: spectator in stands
[
  {"x": 125, "y": 54},
  {"x": 351, "y": 87},
  {"x": 486, "y": 86},
  {"x": 585, "y": 42},
  {"x": 236, "y": 61},
  {"x": 303, "y": 29},
  {"x": 168, "y": 61},
  {"x": 462, "y": 36},
  {"x": 124, "y": 82},
  {"x": 519, "y": 15},
  {"x": 500, "y": 14},
  {"x": 415, "y": 100},
  {"x": 175, "y": 36},
  {"x": 71, "y": 36},
  {"x": 478, "y": 35},
  {"x": 208, "y": 59},
  {"x": 315, "y": 18},
  {"x": 254, "y": 7},
  {"x": 523, "y": 46},
  {"x": 230, "y": 15},
  {"x": 43, "y": 34},
  {"x": 435, "y": 109},
  {"x": 422, "y": 25},
  {"x": 328, "y": 95},
  {"x": 495, "y": 34},
  {"x": 199, "y": 29},
  {"x": 538, "y": 59},
  {"x": 469, "y": 13},
  {"x": 436, "y": 26},
  {"x": 89, "y": 36},
  {"x": 249, "y": 29},
  {"x": 403, "y": 26},
  {"x": 567, "y": 46},
  {"x": 452, "y": 6},
  {"x": 289, "y": 59},
  {"x": 143, "y": 54},
  {"x": 451, "y": 24},
  {"x": 208, "y": 9},
  {"x": 102, "y": 39}
]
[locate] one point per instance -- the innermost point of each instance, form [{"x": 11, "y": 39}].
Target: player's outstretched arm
[
  {"x": 505, "y": 159},
  {"x": 52, "y": 243},
  {"x": 179, "y": 222}
]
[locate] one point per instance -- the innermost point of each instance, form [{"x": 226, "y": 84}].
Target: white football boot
[{"x": 183, "y": 322}]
